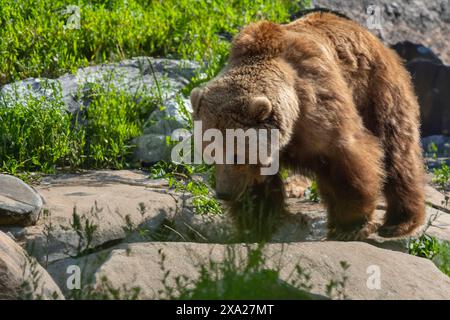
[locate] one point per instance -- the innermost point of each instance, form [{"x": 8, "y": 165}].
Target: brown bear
[{"x": 346, "y": 113}]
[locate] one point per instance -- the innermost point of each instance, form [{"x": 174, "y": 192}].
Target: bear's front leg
[
  {"x": 257, "y": 213},
  {"x": 350, "y": 183}
]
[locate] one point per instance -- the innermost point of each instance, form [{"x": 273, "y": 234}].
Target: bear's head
[{"x": 256, "y": 90}]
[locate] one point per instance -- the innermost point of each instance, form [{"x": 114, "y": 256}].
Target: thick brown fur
[
  {"x": 346, "y": 111},
  {"x": 257, "y": 213}
]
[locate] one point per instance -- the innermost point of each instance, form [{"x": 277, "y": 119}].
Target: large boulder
[
  {"x": 21, "y": 277},
  {"x": 19, "y": 203},
  {"x": 424, "y": 22},
  {"x": 409, "y": 52},
  {"x": 431, "y": 83},
  {"x": 373, "y": 273}
]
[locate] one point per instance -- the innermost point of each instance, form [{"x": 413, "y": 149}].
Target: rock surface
[
  {"x": 308, "y": 222},
  {"x": 402, "y": 276},
  {"x": 20, "y": 278},
  {"x": 296, "y": 185},
  {"x": 131, "y": 75},
  {"x": 126, "y": 206},
  {"x": 108, "y": 204},
  {"x": 431, "y": 82},
  {"x": 411, "y": 52},
  {"x": 425, "y": 22},
  {"x": 19, "y": 203},
  {"x": 122, "y": 216},
  {"x": 192, "y": 227}
]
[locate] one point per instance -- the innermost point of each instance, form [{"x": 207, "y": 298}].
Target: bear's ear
[
  {"x": 262, "y": 38},
  {"x": 196, "y": 94},
  {"x": 260, "y": 108}
]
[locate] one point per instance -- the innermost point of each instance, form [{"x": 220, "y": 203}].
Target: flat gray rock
[
  {"x": 307, "y": 221},
  {"x": 425, "y": 22},
  {"x": 19, "y": 203}
]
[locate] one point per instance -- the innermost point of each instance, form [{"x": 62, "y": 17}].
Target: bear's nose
[{"x": 223, "y": 196}]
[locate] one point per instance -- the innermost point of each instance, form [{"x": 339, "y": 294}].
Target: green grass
[
  {"x": 36, "y": 43},
  {"x": 113, "y": 118},
  {"x": 38, "y": 134},
  {"x": 442, "y": 258},
  {"x": 181, "y": 178}
]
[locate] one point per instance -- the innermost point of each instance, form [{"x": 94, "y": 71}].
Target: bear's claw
[
  {"x": 398, "y": 230},
  {"x": 357, "y": 234}
]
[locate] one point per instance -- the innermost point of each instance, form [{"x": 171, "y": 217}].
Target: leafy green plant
[
  {"x": 336, "y": 288},
  {"x": 284, "y": 173},
  {"x": 31, "y": 281},
  {"x": 429, "y": 247},
  {"x": 47, "y": 231},
  {"x": 312, "y": 192},
  {"x": 424, "y": 246},
  {"x": 237, "y": 277},
  {"x": 441, "y": 176},
  {"x": 181, "y": 178},
  {"x": 202, "y": 200},
  {"x": 432, "y": 149},
  {"x": 37, "y": 134},
  {"x": 141, "y": 229},
  {"x": 85, "y": 230}
]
